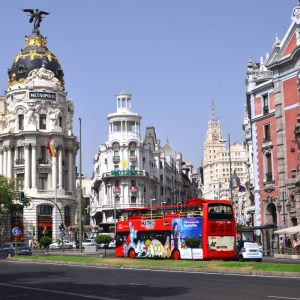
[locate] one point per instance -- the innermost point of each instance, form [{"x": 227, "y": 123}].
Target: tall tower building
[
  {"x": 218, "y": 160},
  {"x": 35, "y": 116}
]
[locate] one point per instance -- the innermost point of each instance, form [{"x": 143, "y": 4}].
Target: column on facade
[
  {"x": 60, "y": 171},
  {"x": 27, "y": 166},
  {"x": 33, "y": 165},
  {"x": 4, "y": 161},
  {"x": 70, "y": 170},
  {"x": 1, "y": 161},
  {"x": 9, "y": 162}
]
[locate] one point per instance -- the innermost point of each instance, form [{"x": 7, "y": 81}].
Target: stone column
[
  {"x": 1, "y": 161},
  {"x": 33, "y": 166},
  {"x": 60, "y": 168},
  {"x": 70, "y": 170},
  {"x": 27, "y": 167},
  {"x": 9, "y": 164},
  {"x": 4, "y": 162},
  {"x": 54, "y": 175}
]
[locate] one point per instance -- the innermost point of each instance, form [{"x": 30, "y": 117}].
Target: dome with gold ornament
[{"x": 34, "y": 55}]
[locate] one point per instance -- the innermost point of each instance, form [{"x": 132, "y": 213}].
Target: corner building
[
  {"x": 35, "y": 112},
  {"x": 133, "y": 172},
  {"x": 273, "y": 105}
]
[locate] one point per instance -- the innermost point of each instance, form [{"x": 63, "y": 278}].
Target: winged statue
[{"x": 36, "y": 16}]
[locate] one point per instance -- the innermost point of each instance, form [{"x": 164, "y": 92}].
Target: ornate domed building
[{"x": 37, "y": 145}]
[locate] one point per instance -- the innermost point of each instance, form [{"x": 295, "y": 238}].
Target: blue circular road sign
[
  {"x": 16, "y": 231},
  {"x": 62, "y": 234}
]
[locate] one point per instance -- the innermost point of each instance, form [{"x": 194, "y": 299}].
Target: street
[{"x": 45, "y": 281}]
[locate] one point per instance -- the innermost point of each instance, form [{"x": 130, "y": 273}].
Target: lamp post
[
  {"x": 115, "y": 215},
  {"x": 80, "y": 188}
]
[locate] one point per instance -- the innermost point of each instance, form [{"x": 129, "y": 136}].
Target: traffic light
[
  {"x": 22, "y": 197},
  {"x": 62, "y": 227}
]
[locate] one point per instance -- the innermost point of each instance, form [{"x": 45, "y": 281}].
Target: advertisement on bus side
[{"x": 182, "y": 230}]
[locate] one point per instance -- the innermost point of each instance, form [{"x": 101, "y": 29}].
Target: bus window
[
  {"x": 219, "y": 212},
  {"x": 121, "y": 238}
]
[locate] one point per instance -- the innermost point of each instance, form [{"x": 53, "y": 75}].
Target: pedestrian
[
  {"x": 281, "y": 245},
  {"x": 30, "y": 243}
]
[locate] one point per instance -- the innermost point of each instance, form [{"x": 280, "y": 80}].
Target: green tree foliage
[
  {"x": 103, "y": 239},
  {"x": 9, "y": 197},
  {"x": 45, "y": 241}
]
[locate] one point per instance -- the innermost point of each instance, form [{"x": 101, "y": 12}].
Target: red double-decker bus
[{"x": 200, "y": 229}]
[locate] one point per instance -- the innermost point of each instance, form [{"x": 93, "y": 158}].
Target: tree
[
  {"x": 46, "y": 241},
  {"x": 9, "y": 202},
  {"x": 7, "y": 195},
  {"x": 103, "y": 239}
]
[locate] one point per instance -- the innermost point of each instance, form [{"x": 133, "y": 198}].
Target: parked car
[
  {"x": 8, "y": 249},
  {"x": 89, "y": 242},
  {"x": 248, "y": 251},
  {"x": 58, "y": 245}
]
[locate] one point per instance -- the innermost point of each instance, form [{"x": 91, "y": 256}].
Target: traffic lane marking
[
  {"x": 279, "y": 297},
  {"x": 56, "y": 292}
]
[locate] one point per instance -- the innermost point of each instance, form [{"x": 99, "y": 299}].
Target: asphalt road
[{"x": 44, "y": 281}]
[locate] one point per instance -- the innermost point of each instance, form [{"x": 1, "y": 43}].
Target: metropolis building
[
  {"x": 34, "y": 113},
  {"x": 133, "y": 172}
]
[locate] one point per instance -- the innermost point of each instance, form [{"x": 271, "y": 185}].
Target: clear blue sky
[{"x": 172, "y": 55}]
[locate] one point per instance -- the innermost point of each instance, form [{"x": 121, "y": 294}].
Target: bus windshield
[{"x": 219, "y": 212}]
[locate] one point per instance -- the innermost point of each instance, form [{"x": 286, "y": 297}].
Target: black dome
[{"x": 34, "y": 55}]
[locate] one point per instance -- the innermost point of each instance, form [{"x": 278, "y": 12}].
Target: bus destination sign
[{"x": 42, "y": 95}]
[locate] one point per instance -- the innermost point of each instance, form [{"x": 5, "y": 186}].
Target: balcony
[
  {"x": 116, "y": 190},
  {"x": 20, "y": 161},
  {"x": 43, "y": 161},
  {"x": 269, "y": 183},
  {"x": 116, "y": 159},
  {"x": 133, "y": 189}
]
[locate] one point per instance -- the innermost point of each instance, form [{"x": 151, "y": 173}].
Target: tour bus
[{"x": 200, "y": 229}]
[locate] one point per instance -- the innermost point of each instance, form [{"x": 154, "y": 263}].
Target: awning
[{"x": 289, "y": 230}]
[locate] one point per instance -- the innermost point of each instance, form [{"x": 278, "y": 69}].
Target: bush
[
  {"x": 103, "y": 239},
  {"x": 193, "y": 242},
  {"x": 45, "y": 241}
]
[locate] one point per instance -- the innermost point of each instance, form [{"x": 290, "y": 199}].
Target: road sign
[
  {"x": 62, "y": 234},
  {"x": 16, "y": 231}
]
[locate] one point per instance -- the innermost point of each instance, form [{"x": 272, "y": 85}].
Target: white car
[
  {"x": 89, "y": 242},
  {"x": 58, "y": 245},
  {"x": 247, "y": 251}
]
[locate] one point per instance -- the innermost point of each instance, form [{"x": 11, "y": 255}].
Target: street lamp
[{"x": 80, "y": 188}]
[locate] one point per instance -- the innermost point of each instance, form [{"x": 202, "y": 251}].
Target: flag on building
[{"x": 51, "y": 148}]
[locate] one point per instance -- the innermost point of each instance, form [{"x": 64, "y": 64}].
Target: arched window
[{"x": 133, "y": 199}]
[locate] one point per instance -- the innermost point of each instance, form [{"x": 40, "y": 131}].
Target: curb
[{"x": 169, "y": 269}]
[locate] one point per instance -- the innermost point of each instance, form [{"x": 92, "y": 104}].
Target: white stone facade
[
  {"x": 34, "y": 112},
  {"x": 133, "y": 172}
]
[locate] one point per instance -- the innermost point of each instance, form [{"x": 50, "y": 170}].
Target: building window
[
  {"x": 20, "y": 182},
  {"x": 45, "y": 210},
  {"x": 43, "y": 181},
  {"x": 60, "y": 121},
  {"x": 132, "y": 167},
  {"x": 133, "y": 199},
  {"x": 268, "y": 167},
  {"x": 133, "y": 183},
  {"x": 21, "y": 122},
  {"x": 265, "y": 104},
  {"x": 20, "y": 155},
  {"x": 42, "y": 121},
  {"x": 117, "y": 183},
  {"x": 267, "y": 133}
]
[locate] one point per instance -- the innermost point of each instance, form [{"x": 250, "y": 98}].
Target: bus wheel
[
  {"x": 176, "y": 255},
  {"x": 131, "y": 253}
]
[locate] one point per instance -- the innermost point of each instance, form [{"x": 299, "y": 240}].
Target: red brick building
[{"x": 272, "y": 106}]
